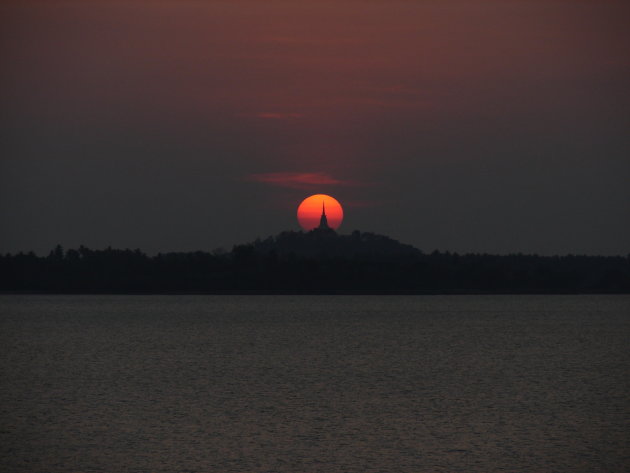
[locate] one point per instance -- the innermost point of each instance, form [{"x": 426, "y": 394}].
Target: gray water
[{"x": 315, "y": 384}]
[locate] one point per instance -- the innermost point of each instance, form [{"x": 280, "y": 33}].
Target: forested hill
[{"x": 317, "y": 262}]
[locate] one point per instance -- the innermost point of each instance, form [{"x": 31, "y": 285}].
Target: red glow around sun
[{"x": 310, "y": 211}]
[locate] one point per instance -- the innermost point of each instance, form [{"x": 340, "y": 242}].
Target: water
[{"x": 315, "y": 384}]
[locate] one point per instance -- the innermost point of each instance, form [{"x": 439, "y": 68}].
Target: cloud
[
  {"x": 299, "y": 180},
  {"x": 273, "y": 115},
  {"x": 294, "y": 40}
]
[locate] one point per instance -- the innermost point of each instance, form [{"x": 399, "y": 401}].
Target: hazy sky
[{"x": 473, "y": 125}]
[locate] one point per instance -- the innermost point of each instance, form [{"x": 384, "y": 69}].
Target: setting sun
[{"x": 309, "y": 212}]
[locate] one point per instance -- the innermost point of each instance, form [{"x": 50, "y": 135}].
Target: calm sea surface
[{"x": 315, "y": 384}]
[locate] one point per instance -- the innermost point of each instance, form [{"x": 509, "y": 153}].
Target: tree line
[{"x": 314, "y": 262}]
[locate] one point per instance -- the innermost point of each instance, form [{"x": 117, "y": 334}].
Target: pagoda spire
[{"x": 323, "y": 221}]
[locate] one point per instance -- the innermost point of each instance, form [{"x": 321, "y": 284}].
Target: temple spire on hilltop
[{"x": 323, "y": 221}]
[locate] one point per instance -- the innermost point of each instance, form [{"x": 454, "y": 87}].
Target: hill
[{"x": 326, "y": 244}]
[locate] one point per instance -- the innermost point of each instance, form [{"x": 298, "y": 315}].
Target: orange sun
[{"x": 309, "y": 212}]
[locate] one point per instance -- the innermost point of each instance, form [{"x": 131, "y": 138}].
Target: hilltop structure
[{"x": 323, "y": 221}]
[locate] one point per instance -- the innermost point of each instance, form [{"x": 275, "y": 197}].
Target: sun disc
[{"x": 309, "y": 212}]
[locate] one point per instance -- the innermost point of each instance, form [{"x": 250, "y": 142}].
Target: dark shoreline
[
  {"x": 311, "y": 263},
  {"x": 255, "y": 292}
]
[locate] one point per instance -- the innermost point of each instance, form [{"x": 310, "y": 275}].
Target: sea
[{"x": 183, "y": 383}]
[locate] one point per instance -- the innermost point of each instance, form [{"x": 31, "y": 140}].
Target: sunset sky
[{"x": 470, "y": 126}]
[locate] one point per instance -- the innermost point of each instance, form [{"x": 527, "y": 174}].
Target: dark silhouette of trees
[{"x": 317, "y": 261}]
